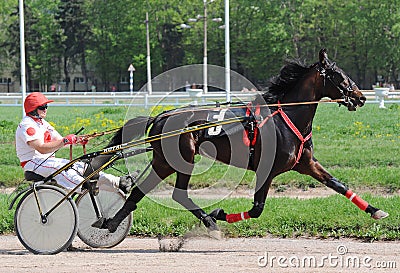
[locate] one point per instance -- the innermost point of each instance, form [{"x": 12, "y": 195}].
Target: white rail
[
  {"x": 126, "y": 98},
  {"x": 157, "y": 98}
]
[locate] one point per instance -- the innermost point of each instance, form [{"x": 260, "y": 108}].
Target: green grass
[
  {"x": 333, "y": 216},
  {"x": 330, "y": 217},
  {"x": 6, "y": 216},
  {"x": 360, "y": 148}
]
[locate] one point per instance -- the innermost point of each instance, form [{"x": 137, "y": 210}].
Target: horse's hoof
[
  {"x": 99, "y": 223},
  {"x": 210, "y": 223},
  {"x": 110, "y": 225},
  {"x": 218, "y": 214},
  {"x": 379, "y": 214}
]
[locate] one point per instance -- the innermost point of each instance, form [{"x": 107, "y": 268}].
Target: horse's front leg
[
  {"x": 158, "y": 172},
  {"x": 310, "y": 166}
]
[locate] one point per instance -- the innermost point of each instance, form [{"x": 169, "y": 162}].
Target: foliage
[
  {"x": 6, "y": 216},
  {"x": 74, "y": 37}
]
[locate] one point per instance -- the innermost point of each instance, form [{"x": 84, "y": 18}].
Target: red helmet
[{"x": 34, "y": 100}]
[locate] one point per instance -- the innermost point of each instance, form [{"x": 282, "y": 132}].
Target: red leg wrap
[
  {"x": 358, "y": 201},
  {"x": 232, "y": 218}
]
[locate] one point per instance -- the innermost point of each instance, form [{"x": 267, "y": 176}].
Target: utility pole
[
  {"x": 22, "y": 49},
  {"x": 205, "y": 82},
  {"x": 149, "y": 87},
  {"x": 227, "y": 55}
]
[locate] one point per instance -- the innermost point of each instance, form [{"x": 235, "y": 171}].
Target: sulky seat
[{"x": 32, "y": 176}]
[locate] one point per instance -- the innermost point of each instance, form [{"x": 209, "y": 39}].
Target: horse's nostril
[{"x": 360, "y": 101}]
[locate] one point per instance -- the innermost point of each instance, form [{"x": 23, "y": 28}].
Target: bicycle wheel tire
[
  {"x": 57, "y": 233},
  {"x": 109, "y": 203}
]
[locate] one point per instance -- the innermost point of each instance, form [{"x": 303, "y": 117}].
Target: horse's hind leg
[
  {"x": 184, "y": 162},
  {"x": 137, "y": 193},
  {"x": 310, "y": 166},
  {"x": 180, "y": 195}
]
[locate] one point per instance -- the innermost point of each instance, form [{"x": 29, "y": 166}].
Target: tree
[
  {"x": 5, "y": 18},
  {"x": 32, "y": 42},
  {"x": 103, "y": 38},
  {"x": 72, "y": 18},
  {"x": 118, "y": 39}
]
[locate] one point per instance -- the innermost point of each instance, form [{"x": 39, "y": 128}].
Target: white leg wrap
[{"x": 108, "y": 181}]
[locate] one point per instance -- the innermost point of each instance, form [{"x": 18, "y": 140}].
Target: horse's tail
[{"x": 132, "y": 129}]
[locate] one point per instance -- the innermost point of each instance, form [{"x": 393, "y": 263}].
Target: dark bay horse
[{"x": 279, "y": 140}]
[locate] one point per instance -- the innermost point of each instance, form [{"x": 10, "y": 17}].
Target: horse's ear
[{"x": 323, "y": 56}]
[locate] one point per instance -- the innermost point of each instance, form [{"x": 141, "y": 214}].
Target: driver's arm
[{"x": 46, "y": 147}]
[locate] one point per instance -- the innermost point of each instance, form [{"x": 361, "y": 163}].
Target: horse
[{"x": 277, "y": 126}]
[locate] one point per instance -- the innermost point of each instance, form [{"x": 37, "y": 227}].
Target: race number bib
[{"x": 214, "y": 131}]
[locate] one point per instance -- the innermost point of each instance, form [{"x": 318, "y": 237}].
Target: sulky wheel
[
  {"x": 50, "y": 234},
  {"x": 109, "y": 202}
]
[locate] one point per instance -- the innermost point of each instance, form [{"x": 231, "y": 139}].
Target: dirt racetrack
[{"x": 201, "y": 254}]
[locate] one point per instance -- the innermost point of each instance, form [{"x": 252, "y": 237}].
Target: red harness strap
[
  {"x": 236, "y": 217},
  {"x": 296, "y": 132},
  {"x": 292, "y": 127},
  {"x": 246, "y": 138}
]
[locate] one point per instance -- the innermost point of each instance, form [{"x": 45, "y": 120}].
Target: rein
[
  {"x": 198, "y": 109},
  {"x": 134, "y": 143},
  {"x": 98, "y": 134}
]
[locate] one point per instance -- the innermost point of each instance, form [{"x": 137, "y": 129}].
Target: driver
[{"x": 36, "y": 142}]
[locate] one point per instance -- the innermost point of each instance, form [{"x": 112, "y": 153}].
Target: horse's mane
[{"x": 289, "y": 75}]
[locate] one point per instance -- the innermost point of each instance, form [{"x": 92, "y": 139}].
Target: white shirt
[{"x": 31, "y": 129}]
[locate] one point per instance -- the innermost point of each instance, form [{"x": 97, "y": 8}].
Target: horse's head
[{"x": 337, "y": 85}]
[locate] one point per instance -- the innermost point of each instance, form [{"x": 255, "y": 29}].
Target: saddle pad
[{"x": 221, "y": 115}]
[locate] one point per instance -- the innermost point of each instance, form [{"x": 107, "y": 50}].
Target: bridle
[{"x": 346, "y": 91}]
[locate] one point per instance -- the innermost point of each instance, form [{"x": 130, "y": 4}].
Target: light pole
[
  {"x": 205, "y": 82},
  {"x": 205, "y": 61},
  {"x": 22, "y": 49},
  {"x": 227, "y": 55},
  {"x": 149, "y": 87}
]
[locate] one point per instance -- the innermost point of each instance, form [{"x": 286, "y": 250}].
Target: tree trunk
[
  {"x": 84, "y": 70},
  {"x": 66, "y": 74}
]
